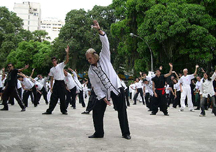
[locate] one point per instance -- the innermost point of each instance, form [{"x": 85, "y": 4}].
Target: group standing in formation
[{"x": 157, "y": 91}]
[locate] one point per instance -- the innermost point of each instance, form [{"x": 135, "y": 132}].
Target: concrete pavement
[{"x": 31, "y": 131}]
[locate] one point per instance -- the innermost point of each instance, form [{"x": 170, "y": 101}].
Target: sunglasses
[{"x": 9, "y": 66}]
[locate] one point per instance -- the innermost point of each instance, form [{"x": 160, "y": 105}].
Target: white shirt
[
  {"x": 77, "y": 82},
  {"x": 167, "y": 89},
  {"x": 139, "y": 85},
  {"x": 38, "y": 85},
  {"x": 57, "y": 72},
  {"x": 27, "y": 83},
  {"x": 85, "y": 88},
  {"x": 1, "y": 84},
  {"x": 198, "y": 84},
  {"x": 106, "y": 66},
  {"x": 19, "y": 84},
  {"x": 186, "y": 80},
  {"x": 207, "y": 88},
  {"x": 148, "y": 88},
  {"x": 177, "y": 86},
  {"x": 69, "y": 81}
]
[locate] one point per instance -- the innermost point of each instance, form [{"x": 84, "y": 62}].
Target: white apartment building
[
  {"x": 52, "y": 26},
  {"x": 30, "y": 12}
]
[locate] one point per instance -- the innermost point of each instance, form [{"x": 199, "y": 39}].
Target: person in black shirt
[
  {"x": 11, "y": 87},
  {"x": 159, "y": 92}
]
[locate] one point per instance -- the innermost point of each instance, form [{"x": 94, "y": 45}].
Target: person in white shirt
[
  {"x": 79, "y": 88},
  {"x": 185, "y": 82},
  {"x": 85, "y": 89},
  {"x": 148, "y": 91},
  {"x": 2, "y": 77},
  {"x": 71, "y": 89},
  {"x": 139, "y": 90},
  {"x": 133, "y": 89},
  {"x": 59, "y": 88},
  {"x": 126, "y": 92},
  {"x": 29, "y": 88},
  {"x": 177, "y": 93},
  {"x": 167, "y": 90},
  {"x": 207, "y": 91},
  {"x": 106, "y": 84},
  {"x": 197, "y": 91}
]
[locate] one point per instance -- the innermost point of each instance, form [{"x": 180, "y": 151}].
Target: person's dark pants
[
  {"x": 120, "y": 105},
  {"x": 71, "y": 94},
  {"x": 81, "y": 100},
  {"x": 26, "y": 95},
  {"x": 126, "y": 96},
  {"x": 44, "y": 93},
  {"x": 203, "y": 102},
  {"x": 11, "y": 92},
  {"x": 197, "y": 98},
  {"x": 148, "y": 100},
  {"x": 171, "y": 99},
  {"x": 11, "y": 100},
  {"x": 177, "y": 99},
  {"x": 159, "y": 101},
  {"x": 136, "y": 95},
  {"x": 59, "y": 91},
  {"x": 92, "y": 101}
]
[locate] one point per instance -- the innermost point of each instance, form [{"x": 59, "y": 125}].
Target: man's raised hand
[
  {"x": 96, "y": 25},
  {"x": 67, "y": 49}
]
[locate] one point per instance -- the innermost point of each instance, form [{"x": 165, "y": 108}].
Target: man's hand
[
  {"x": 107, "y": 102},
  {"x": 67, "y": 49},
  {"x": 173, "y": 72},
  {"x": 161, "y": 68},
  {"x": 155, "y": 95},
  {"x": 96, "y": 25},
  {"x": 170, "y": 64},
  {"x": 51, "y": 90},
  {"x": 70, "y": 69},
  {"x": 33, "y": 70},
  {"x": 197, "y": 66}
]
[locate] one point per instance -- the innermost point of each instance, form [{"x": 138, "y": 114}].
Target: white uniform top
[
  {"x": 148, "y": 88},
  {"x": 131, "y": 88},
  {"x": 186, "y": 80},
  {"x": 57, "y": 72},
  {"x": 123, "y": 85},
  {"x": 198, "y": 84},
  {"x": 177, "y": 86},
  {"x": 38, "y": 85},
  {"x": 207, "y": 88},
  {"x": 77, "y": 82},
  {"x": 139, "y": 85},
  {"x": 85, "y": 87},
  {"x": 167, "y": 89},
  {"x": 1, "y": 84},
  {"x": 69, "y": 81},
  {"x": 104, "y": 73},
  {"x": 27, "y": 83},
  {"x": 19, "y": 84}
]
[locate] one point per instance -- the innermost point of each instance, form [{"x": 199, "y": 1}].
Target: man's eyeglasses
[{"x": 9, "y": 66}]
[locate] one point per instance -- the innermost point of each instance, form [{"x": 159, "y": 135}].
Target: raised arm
[
  {"x": 67, "y": 55},
  {"x": 32, "y": 73},
  {"x": 176, "y": 75},
  {"x": 170, "y": 72},
  {"x": 3, "y": 74},
  {"x": 195, "y": 73},
  {"x": 74, "y": 73},
  {"x": 26, "y": 67},
  {"x": 21, "y": 74}
]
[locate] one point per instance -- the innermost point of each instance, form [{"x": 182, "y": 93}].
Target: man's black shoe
[
  {"x": 166, "y": 114},
  {"x": 85, "y": 112},
  {"x": 64, "y": 113},
  {"x": 23, "y": 110},
  {"x": 94, "y": 136},
  {"x": 153, "y": 114},
  {"x": 46, "y": 113},
  {"x": 127, "y": 137},
  {"x": 197, "y": 109},
  {"x": 4, "y": 109}
]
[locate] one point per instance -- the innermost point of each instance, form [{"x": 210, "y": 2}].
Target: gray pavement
[{"x": 31, "y": 131}]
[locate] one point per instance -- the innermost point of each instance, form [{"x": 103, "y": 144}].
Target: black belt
[{"x": 59, "y": 80}]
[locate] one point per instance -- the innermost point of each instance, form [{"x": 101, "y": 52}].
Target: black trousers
[
  {"x": 149, "y": 100},
  {"x": 126, "y": 96},
  {"x": 92, "y": 101},
  {"x": 159, "y": 101},
  {"x": 136, "y": 95},
  {"x": 59, "y": 91},
  {"x": 171, "y": 99},
  {"x": 26, "y": 95},
  {"x": 11, "y": 100},
  {"x": 81, "y": 99},
  {"x": 98, "y": 114},
  {"x": 11, "y": 92},
  {"x": 177, "y": 99},
  {"x": 44, "y": 93},
  {"x": 71, "y": 94}
]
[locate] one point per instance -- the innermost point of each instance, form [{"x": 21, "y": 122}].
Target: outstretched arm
[
  {"x": 170, "y": 72},
  {"x": 32, "y": 73},
  {"x": 26, "y": 67},
  {"x": 197, "y": 66},
  {"x": 67, "y": 55},
  {"x": 176, "y": 75}
]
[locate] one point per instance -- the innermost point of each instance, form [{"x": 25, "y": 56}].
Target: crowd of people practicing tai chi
[{"x": 103, "y": 86}]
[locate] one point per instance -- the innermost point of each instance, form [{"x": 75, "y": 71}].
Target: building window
[{"x": 34, "y": 9}]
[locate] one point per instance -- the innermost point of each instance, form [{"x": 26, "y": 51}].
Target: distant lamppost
[{"x": 133, "y": 35}]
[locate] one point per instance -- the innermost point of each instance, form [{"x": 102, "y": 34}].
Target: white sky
[{"x": 58, "y": 8}]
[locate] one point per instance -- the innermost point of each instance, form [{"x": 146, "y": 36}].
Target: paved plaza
[{"x": 31, "y": 131}]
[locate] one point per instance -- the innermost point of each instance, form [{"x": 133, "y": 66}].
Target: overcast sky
[{"x": 59, "y": 8}]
